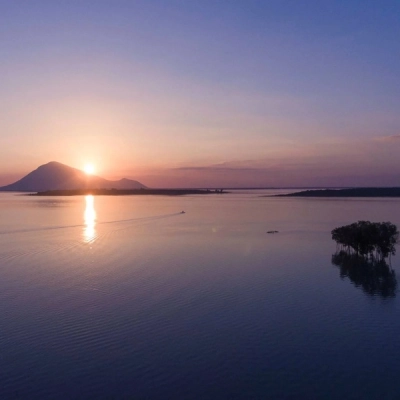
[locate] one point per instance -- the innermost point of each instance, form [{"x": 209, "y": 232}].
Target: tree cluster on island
[
  {"x": 376, "y": 240},
  {"x": 362, "y": 249}
]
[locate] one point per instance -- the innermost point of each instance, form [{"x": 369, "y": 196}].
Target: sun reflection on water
[{"x": 89, "y": 230}]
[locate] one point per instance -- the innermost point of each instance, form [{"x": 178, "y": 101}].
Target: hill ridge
[{"x": 58, "y": 176}]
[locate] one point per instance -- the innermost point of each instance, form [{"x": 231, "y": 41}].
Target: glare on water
[{"x": 89, "y": 216}]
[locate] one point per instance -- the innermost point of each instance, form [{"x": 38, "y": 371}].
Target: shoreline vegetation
[
  {"x": 353, "y": 192},
  {"x": 128, "y": 192}
]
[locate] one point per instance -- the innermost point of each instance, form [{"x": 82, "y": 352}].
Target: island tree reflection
[
  {"x": 89, "y": 217},
  {"x": 375, "y": 277}
]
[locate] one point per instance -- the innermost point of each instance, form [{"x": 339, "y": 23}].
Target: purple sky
[{"x": 203, "y": 93}]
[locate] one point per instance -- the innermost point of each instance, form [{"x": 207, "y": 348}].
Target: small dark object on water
[
  {"x": 182, "y": 212},
  {"x": 273, "y": 232}
]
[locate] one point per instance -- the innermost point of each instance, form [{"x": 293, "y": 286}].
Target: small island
[
  {"x": 127, "y": 192},
  {"x": 361, "y": 252},
  {"x": 353, "y": 192},
  {"x": 373, "y": 240}
]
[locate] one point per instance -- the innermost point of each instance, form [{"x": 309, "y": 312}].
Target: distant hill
[
  {"x": 57, "y": 176},
  {"x": 355, "y": 192}
]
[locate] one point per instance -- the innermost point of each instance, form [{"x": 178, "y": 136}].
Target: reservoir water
[{"x": 127, "y": 297}]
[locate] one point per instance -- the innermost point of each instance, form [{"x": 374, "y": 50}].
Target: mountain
[{"x": 57, "y": 176}]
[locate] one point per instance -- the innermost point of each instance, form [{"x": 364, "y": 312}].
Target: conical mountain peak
[{"x": 57, "y": 176}]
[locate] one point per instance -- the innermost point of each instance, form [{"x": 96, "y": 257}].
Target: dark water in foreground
[{"x": 124, "y": 297}]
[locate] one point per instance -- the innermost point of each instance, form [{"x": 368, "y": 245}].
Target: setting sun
[{"x": 89, "y": 169}]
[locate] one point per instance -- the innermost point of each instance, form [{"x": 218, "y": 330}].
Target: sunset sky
[{"x": 201, "y": 93}]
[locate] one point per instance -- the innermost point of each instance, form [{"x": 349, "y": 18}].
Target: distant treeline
[
  {"x": 369, "y": 239},
  {"x": 355, "y": 192},
  {"x": 125, "y": 192}
]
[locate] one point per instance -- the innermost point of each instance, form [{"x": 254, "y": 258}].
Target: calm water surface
[{"x": 125, "y": 297}]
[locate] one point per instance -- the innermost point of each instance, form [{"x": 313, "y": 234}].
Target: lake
[{"x": 127, "y": 297}]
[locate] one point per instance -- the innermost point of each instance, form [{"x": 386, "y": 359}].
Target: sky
[{"x": 203, "y": 93}]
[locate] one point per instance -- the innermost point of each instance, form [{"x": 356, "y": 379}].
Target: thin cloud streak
[{"x": 389, "y": 139}]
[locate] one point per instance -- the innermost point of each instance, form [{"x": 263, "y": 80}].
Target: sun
[{"x": 89, "y": 169}]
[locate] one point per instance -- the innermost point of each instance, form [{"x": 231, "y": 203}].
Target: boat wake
[{"x": 83, "y": 225}]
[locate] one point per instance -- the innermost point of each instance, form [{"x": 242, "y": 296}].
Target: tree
[{"x": 365, "y": 238}]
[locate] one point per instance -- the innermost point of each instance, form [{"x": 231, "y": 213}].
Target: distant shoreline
[
  {"x": 127, "y": 192},
  {"x": 354, "y": 192}
]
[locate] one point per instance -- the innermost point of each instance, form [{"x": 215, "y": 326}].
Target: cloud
[
  {"x": 391, "y": 138},
  {"x": 216, "y": 169}
]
